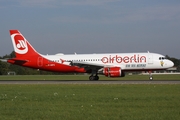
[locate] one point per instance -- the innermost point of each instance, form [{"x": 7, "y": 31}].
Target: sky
[{"x": 93, "y": 26}]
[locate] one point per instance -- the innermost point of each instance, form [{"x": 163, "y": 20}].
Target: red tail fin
[{"x": 21, "y": 46}]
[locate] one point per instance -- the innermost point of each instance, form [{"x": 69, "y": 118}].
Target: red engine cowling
[{"x": 113, "y": 72}]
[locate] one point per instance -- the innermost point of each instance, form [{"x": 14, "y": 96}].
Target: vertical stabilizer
[{"x": 21, "y": 46}]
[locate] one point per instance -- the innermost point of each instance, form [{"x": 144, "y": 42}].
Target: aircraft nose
[{"x": 171, "y": 64}]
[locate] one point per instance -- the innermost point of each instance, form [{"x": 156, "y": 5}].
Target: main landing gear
[{"x": 94, "y": 77}]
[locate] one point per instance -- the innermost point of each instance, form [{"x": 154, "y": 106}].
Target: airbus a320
[{"x": 108, "y": 64}]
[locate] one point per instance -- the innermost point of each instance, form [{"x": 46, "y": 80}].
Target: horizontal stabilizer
[
  {"x": 17, "y": 61},
  {"x": 3, "y": 60}
]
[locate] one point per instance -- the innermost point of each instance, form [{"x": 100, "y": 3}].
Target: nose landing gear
[{"x": 150, "y": 75}]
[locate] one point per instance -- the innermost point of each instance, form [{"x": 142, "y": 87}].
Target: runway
[{"x": 87, "y": 82}]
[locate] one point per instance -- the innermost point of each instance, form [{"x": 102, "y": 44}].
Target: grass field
[
  {"x": 77, "y": 102},
  {"x": 86, "y": 77},
  {"x": 90, "y": 102}
]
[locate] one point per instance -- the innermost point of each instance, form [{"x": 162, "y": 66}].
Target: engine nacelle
[{"x": 113, "y": 72}]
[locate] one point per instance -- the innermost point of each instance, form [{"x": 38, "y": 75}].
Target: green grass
[
  {"x": 90, "y": 102},
  {"x": 86, "y": 77}
]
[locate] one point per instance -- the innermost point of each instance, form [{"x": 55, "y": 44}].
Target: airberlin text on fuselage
[{"x": 125, "y": 59}]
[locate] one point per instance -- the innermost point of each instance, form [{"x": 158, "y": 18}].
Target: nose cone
[{"x": 170, "y": 64}]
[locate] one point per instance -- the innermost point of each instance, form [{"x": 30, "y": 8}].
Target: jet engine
[{"x": 113, "y": 72}]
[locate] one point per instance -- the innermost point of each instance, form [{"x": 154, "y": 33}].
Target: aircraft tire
[
  {"x": 96, "y": 77},
  {"x": 150, "y": 78},
  {"x": 93, "y": 77}
]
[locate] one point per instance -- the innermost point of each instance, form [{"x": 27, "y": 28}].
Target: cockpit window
[{"x": 162, "y": 58}]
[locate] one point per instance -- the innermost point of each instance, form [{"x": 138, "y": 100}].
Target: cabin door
[
  {"x": 150, "y": 59},
  {"x": 40, "y": 61}
]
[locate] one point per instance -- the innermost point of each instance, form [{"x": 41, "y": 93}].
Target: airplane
[{"x": 108, "y": 64}]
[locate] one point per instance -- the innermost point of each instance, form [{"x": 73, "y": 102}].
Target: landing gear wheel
[
  {"x": 93, "y": 77},
  {"x": 150, "y": 78},
  {"x": 96, "y": 77}
]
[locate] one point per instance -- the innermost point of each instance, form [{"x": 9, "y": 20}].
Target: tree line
[{"x": 19, "y": 70}]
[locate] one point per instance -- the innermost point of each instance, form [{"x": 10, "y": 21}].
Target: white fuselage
[{"x": 127, "y": 61}]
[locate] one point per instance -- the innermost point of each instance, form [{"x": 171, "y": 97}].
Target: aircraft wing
[
  {"x": 79, "y": 63},
  {"x": 92, "y": 66},
  {"x": 88, "y": 65}
]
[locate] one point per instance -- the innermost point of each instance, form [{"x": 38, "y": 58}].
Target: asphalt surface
[{"x": 87, "y": 82}]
